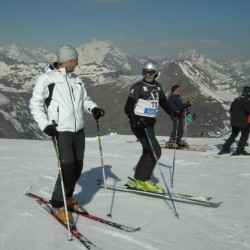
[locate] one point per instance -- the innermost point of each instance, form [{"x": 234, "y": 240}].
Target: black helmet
[{"x": 246, "y": 91}]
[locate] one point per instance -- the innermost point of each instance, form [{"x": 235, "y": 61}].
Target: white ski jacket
[{"x": 62, "y": 97}]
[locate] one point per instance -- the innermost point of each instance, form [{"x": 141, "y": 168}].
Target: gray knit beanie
[{"x": 66, "y": 53}]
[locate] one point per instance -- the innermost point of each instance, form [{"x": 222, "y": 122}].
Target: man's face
[
  {"x": 70, "y": 65},
  {"x": 149, "y": 75},
  {"x": 177, "y": 91}
]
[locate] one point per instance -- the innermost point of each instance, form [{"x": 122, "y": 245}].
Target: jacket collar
[{"x": 62, "y": 71}]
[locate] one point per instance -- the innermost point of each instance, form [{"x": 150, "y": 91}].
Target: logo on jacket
[
  {"x": 145, "y": 88},
  {"x": 154, "y": 95}
]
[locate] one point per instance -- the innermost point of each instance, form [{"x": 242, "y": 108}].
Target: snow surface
[{"x": 26, "y": 226}]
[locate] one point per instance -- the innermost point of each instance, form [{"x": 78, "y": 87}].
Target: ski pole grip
[
  {"x": 54, "y": 123},
  {"x": 141, "y": 119}
]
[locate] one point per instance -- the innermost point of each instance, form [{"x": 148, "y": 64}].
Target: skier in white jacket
[{"x": 60, "y": 96}]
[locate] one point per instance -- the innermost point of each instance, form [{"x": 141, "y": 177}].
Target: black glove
[
  {"x": 137, "y": 123},
  {"x": 50, "y": 130},
  {"x": 97, "y": 112}
]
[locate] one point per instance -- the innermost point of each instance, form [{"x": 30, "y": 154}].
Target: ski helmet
[{"x": 152, "y": 67}]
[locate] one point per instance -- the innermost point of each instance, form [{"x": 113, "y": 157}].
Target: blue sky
[{"x": 218, "y": 28}]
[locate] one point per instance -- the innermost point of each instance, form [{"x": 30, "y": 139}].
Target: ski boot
[
  {"x": 73, "y": 205},
  {"x": 148, "y": 186},
  {"x": 182, "y": 144},
  {"x": 224, "y": 152},
  {"x": 172, "y": 143},
  {"x": 131, "y": 183},
  {"x": 61, "y": 214},
  {"x": 244, "y": 153}
]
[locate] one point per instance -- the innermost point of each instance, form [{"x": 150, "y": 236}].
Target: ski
[
  {"x": 195, "y": 148},
  {"x": 192, "y": 149},
  {"x": 108, "y": 222},
  {"x": 92, "y": 217},
  {"x": 184, "y": 198},
  {"x": 189, "y": 196},
  {"x": 216, "y": 156},
  {"x": 82, "y": 239}
]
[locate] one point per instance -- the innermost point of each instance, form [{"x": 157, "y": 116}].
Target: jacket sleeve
[
  {"x": 164, "y": 103},
  {"x": 131, "y": 101},
  {"x": 88, "y": 104},
  {"x": 37, "y": 103},
  {"x": 247, "y": 106},
  {"x": 231, "y": 107}
]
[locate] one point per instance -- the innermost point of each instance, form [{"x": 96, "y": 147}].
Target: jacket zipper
[
  {"x": 71, "y": 97},
  {"x": 57, "y": 114},
  {"x": 73, "y": 93}
]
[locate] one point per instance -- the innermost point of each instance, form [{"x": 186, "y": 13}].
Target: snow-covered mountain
[
  {"x": 108, "y": 72},
  {"x": 101, "y": 61},
  {"x": 24, "y": 55},
  {"x": 213, "y": 85}
]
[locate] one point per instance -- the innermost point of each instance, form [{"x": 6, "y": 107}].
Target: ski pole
[
  {"x": 102, "y": 163},
  {"x": 112, "y": 202},
  {"x": 174, "y": 156},
  {"x": 101, "y": 154},
  {"x": 162, "y": 175},
  {"x": 185, "y": 124},
  {"x": 55, "y": 142}
]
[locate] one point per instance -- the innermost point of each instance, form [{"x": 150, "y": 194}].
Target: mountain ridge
[{"x": 108, "y": 75}]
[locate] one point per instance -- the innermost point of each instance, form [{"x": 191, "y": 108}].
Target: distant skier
[
  {"x": 240, "y": 110},
  {"x": 141, "y": 107},
  {"x": 59, "y": 95},
  {"x": 180, "y": 108}
]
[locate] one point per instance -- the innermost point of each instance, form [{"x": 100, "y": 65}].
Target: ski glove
[
  {"x": 137, "y": 122},
  {"x": 175, "y": 115},
  {"x": 50, "y": 130},
  {"x": 97, "y": 113}
]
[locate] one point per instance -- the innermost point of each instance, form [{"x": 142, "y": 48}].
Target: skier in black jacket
[
  {"x": 141, "y": 107},
  {"x": 180, "y": 108},
  {"x": 240, "y": 110}
]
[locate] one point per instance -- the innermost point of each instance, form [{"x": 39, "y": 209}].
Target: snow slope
[{"x": 27, "y": 226}]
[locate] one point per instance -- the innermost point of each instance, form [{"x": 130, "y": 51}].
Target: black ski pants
[
  {"x": 242, "y": 141},
  {"x": 178, "y": 125},
  {"x": 71, "y": 150},
  {"x": 146, "y": 164}
]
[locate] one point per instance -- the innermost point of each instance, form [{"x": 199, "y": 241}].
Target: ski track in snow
[
  {"x": 26, "y": 164},
  {"x": 127, "y": 238}
]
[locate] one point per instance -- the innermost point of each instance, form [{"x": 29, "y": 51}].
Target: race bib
[
  {"x": 149, "y": 111},
  {"x": 148, "y": 108}
]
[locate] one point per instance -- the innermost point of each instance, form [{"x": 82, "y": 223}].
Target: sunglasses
[{"x": 149, "y": 72}]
